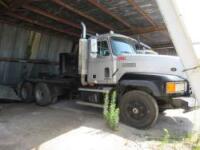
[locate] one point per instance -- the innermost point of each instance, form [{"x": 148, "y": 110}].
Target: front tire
[{"x": 138, "y": 109}]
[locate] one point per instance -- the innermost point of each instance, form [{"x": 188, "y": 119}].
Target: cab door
[{"x": 100, "y": 67}]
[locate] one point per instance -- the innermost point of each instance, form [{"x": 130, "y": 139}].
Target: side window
[{"x": 103, "y": 49}]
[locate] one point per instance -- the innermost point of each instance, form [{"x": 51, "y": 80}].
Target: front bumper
[{"x": 187, "y": 103}]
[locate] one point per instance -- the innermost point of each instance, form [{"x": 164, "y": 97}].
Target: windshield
[
  {"x": 142, "y": 47},
  {"x": 123, "y": 46},
  {"x": 147, "y": 52}
]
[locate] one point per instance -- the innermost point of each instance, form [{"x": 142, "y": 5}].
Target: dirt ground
[{"x": 68, "y": 126}]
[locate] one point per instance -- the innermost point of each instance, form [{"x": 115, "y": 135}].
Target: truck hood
[{"x": 155, "y": 64}]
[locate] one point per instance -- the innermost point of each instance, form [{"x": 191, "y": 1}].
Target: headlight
[{"x": 175, "y": 87}]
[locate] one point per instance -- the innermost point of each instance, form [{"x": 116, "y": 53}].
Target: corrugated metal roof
[{"x": 142, "y": 14}]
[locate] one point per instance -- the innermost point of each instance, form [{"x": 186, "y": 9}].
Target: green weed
[{"x": 111, "y": 112}]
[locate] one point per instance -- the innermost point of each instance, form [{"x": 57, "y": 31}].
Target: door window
[{"x": 103, "y": 49}]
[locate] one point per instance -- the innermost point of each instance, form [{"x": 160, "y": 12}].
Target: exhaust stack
[
  {"x": 83, "y": 30},
  {"x": 83, "y": 53}
]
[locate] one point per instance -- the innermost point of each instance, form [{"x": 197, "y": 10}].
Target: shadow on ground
[{"x": 66, "y": 125}]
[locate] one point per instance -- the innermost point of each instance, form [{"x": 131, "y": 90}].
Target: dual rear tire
[
  {"x": 45, "y": 94},
  {"x": 42, "y": 93},
  {"x": 25, "y": 91}
]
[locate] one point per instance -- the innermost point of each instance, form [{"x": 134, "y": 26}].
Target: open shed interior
[{"x": 36, "y": 31}]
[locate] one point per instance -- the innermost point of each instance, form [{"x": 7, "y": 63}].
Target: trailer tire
[
  {"x": 43, "y": 94},
  {"x": 138, "y": 109},
  {"x": 54, "y": 92},
  {"x": 25, "y": 91}
]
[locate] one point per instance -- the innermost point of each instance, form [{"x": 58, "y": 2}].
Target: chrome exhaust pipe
[
  {"x": 83, "y": 30},
  {"x": 83, "y": 51}
]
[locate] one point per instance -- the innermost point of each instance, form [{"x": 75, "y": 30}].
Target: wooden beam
[
  {"x": 163, "y": 45},
  {"x": 147, "y": 30},
  {"x": 18, "y": 3},
  {"x": 107, "y": 11},
  {"x": 147, "y": 17},
  {"x": 76, "y": 11},
  {"x": 26, "y": 19},
  {"x": 141, "y": 12},
  {"x": 15, "y": 4},
  {"x": 4, "y": 4},
  {"x": 49, "y": 15},
  {"x": 3, "y": 21},
  {"x": 53, "y": 17}
]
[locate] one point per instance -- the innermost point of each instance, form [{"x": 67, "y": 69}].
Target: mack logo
[{"x": 129, "y": 65}]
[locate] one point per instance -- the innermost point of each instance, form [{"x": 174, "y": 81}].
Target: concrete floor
[{"x": 66, "y": 125}]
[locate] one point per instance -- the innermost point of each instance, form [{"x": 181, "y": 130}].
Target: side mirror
[{"x": 93, "y": 45}]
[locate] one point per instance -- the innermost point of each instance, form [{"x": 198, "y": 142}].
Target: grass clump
[
  {"x": 111, "y": 111},
  {"x": 194, "y": 140},
  {"x": 191, "y": 140},
  {"x": 166, "y": 137}
]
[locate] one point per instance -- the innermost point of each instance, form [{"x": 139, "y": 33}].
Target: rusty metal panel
[
  {"x": 49, "y": 49},
  {"x": 14, "y": 44}
]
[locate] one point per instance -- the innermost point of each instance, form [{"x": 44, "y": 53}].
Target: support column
[{"x": 183, "y": 44}]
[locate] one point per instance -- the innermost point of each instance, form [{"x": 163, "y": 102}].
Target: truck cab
[{"x": 116, "y": 55}]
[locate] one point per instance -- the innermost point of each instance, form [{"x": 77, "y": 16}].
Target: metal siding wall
[
  {"x": 49, "y": 49},
  {"x": 21, "y": 42},
  {"x": 14, "y": 43}
]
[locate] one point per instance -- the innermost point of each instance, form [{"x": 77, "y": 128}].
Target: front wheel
[{"x": 138, "y": 109}]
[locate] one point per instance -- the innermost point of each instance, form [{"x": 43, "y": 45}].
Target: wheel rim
[
  {"x": 39, "y": 95},
  {"x": 137, "y": 110}
]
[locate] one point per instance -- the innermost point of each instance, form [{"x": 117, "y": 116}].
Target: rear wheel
[
  {"x": 44, "y": 94},
  {"x": 138, "y": 109},
  {"x": 26, "y": 92},
  {"x": 54, "y": 93}
]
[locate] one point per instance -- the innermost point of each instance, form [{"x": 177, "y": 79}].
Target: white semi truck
[{"x": 146, "y": 83}]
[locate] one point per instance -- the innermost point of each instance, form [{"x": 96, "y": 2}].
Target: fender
[{"x": 153, "y": 82}]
